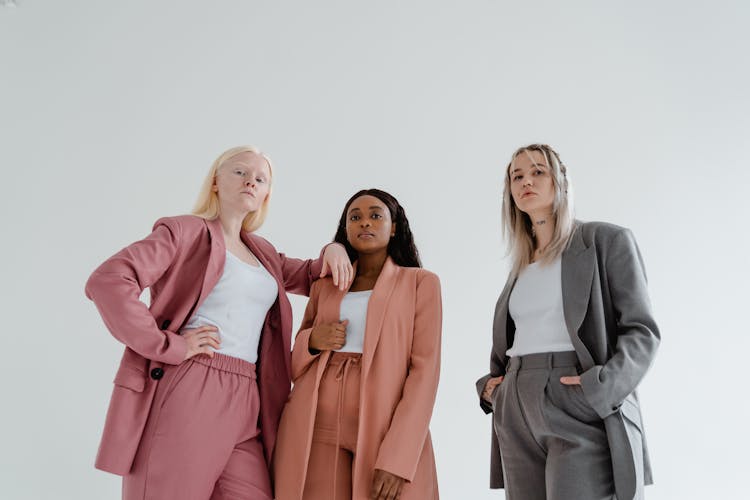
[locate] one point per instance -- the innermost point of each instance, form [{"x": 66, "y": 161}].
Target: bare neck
[
  {"x": 544, "y": 230},
  {"x": 370, "y": 265},
  {"x": 231, "y": 226}
]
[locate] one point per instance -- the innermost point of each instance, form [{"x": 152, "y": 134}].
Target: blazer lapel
[
  {"x": 578, "y": 265},
  {"x": 216, "y": 259},
  {"x": 333, "y": 303},
  {"x": 250, "y": 242},
  {"x": 500, "y": 323},
  {"x": 376, "y": 310}
]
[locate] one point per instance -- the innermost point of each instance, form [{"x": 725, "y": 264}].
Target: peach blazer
[
  {"x": 181, "y": 261},
  {"x": 400, "y": 371}
]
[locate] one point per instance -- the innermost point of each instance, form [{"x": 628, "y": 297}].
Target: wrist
[{"x": 311, "y": 348}]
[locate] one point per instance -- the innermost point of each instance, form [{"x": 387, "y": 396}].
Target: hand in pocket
[
  {"x": 576, "y": 380},
  {"x": 490, "y": 386}
]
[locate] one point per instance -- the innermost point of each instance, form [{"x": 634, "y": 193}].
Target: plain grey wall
[{"x": 111, "y": 112}]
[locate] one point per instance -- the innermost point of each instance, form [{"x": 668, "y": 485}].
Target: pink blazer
[
  {"x": 400, "y": 371},
  {"x": 181, "y": 261}
]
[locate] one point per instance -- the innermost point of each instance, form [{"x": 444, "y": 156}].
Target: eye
[
  {"x": 517, "y": 177},
  {"x": 376, "y": 215},
  {"x": 538, "y": 171},
  {"x": 239, "y": 172},
  {"x": 354, "y": 218},
  {"x": 260, "y": 180}
]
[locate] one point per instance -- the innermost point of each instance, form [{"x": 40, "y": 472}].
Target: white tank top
[
  {"x": 536, "y": 307},
  {"x": 354, "y": 308},
  {"x": 238, "y": 306}
]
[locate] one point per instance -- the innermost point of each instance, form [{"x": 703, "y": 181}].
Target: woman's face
[
  {"x": 369, "y": 227},
  {"x": 243, "y": 182},
  {"x": 531, "y": 183}
]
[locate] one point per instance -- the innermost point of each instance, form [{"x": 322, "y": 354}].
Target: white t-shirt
[
  {"x": 354, "y": 308},
  {"x": 238, "y": 306},
  {"x": 536, "y": 306}
]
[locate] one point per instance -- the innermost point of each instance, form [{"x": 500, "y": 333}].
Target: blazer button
[{"x": 157, "y": 373}]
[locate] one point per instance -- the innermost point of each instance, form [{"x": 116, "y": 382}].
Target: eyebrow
[
  {"x": 374, "y": 207},
  {"x": 246, "y": 166},
  {"x": 532, "y": 165}
]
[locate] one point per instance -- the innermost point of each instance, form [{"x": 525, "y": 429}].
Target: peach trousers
[
  {"x": 334, "y": 441},
  {"x": 201, "y": 440}
]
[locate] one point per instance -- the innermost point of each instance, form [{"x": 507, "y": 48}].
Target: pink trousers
[
  {"x": 201, "y": 440},
  {"x": 334, "y": 442}
]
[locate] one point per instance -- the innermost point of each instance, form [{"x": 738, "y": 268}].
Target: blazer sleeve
[
  {"x": 116, "y": 285},
  {"x": 299, "y": 274},
  {"x": 496, "y": 369},
  {"x": 402, "y": 445},
  {"x": 301, "y": 356},
  {"x": 606, "y": 386},
  {"x": 499, "y": 329}
]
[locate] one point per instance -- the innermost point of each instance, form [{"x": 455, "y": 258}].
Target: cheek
[
  {"x": 349, "y": 232},
  {"x": 227, "y": 183},
  {"x": 514, "y": 194},
  {"x": 551, "y": 189}
]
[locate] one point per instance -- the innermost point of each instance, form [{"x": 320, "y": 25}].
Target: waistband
[
  {"x": 338, "y": 358},
  {"x": 227, "y": 364},
  {"x": 544, "y": 360}
]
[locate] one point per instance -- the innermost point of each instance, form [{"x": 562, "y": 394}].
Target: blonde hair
[
  {"x": 207, "y": 205},
  {"x": 517, "y": 225}
]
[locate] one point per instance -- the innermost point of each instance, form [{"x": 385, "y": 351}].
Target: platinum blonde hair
[
  {"x": 207, "y": 205},
  {"x": 517, "y": 226}
]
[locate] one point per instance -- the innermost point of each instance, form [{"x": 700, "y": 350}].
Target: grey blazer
[{"x": 608, "y": 316}]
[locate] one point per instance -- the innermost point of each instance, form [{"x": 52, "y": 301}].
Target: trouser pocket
[{"x": 570, "y": 398}]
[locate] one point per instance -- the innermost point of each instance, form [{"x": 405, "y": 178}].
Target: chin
[
  {"x": 370, "y": 250},
  {"x": 358, "y": 248}
]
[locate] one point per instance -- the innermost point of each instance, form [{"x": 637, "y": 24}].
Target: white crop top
[
  {"x": 238, "y": 306},
  {"x": 354, "y": 309},
  {"x": 536, "y": 307}
]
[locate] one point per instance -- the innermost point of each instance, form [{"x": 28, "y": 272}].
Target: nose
[
  {"x": 526, "y": 181},
  {"x": 250, "y": 182}
]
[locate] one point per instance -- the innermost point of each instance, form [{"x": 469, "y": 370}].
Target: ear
[{"x": 393, "y": 230}]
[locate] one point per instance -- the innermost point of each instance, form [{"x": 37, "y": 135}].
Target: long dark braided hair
[{"x": 401, "y": 247}]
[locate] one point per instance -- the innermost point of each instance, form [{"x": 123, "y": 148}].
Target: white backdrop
[{"x": 111, "y": 112}]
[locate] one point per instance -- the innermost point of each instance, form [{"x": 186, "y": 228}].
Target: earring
[{"x": 533, "y": 231}]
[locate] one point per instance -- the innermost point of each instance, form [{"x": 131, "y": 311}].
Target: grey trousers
[{"x": 553, "y": 444}]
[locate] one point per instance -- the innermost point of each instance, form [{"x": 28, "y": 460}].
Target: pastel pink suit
[
  {"x": 181, "y": 261},
  {"x": 400, "y": 368}
]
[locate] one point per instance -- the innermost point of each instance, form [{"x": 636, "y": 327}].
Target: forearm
[
  {"x": 115, "y": 287},
  {"x": 637, "y": 335},
  {"x": 130, "y": 321}
]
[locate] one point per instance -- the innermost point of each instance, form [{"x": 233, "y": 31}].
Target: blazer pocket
[{"x": 131, "y": 378}]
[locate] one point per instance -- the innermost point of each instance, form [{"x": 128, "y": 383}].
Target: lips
[
  {"x": 528, "y": 193},
  {"x": 365, "y": 235},
  {"x": 249, "y": 193}
]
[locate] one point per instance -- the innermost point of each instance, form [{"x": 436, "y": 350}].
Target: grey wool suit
[{"x": 608, "y": 316}]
